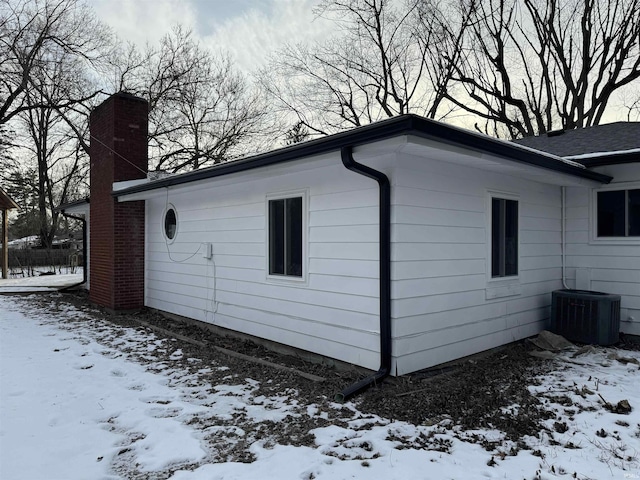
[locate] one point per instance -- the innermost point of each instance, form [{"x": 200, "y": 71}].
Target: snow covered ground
[
  {"x": 82, "y": 398},
  {"x": 41, "y": 283}
]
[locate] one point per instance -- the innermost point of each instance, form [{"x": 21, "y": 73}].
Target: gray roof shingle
[{"x": 610, "y": 137}]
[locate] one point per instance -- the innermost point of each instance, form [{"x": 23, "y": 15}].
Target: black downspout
[
  {"x": 84, "y": 251},
  {"x": 385, "y": 274}
]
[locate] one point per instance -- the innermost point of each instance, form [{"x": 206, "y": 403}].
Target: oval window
[{"x": 170, "y": 223}]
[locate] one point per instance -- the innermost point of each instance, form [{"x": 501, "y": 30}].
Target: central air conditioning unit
[{"x": 586, "y": 317}]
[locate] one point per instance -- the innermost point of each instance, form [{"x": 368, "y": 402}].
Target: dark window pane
[
  {"x": 294, "y": 236},
  {"x": 504, "y": 237},
  {"x": 170, "y": 224},
  {"x": 511, "y": 238},
  {"x": 634, "y": 213},
  {"x": 611, "y": 214},
  {"x": 496, "y": 235},
  {"x": 276, "y": 237},
  {"x": 285, "y": 237}
]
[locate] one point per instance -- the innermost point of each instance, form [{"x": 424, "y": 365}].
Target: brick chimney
[{"x": 118, "y": 152}]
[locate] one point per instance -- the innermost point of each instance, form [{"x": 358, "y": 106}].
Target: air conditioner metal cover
[{"x": 585, "y": 316}]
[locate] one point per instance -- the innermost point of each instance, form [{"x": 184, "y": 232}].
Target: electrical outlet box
[{"x": 207, "y": 251}]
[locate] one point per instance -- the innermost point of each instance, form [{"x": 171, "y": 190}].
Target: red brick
[{"x": 117, "y": 229}]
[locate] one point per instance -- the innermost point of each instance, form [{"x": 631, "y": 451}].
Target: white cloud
[
  {"x": 259, "y": 31},
  {"x": 248, "y": 29},
  {"x": 141, "y": 21}
]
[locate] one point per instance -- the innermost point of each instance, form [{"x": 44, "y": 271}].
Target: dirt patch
[
  {"x": 490, "y": 392},
  {"x": 486, "y": 392}
]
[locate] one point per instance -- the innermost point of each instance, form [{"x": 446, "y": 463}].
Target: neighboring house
[
  {"x": 80, "y": 210},
  {"x": 6, "y": 204},
  {"x": 401, "y": 244}
]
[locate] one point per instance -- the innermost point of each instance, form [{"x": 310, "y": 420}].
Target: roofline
[
  {"x": 65, "y": 206},
  {"x": 606, "y": 158},
  {"x": 392, "y": 127},
  {"x": 11, "y": 203}
]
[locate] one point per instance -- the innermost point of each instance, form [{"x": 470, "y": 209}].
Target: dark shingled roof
[{"x": 611, "y": 137}]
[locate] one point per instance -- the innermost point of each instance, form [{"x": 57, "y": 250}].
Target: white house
[{"x": 395, "y": 246}]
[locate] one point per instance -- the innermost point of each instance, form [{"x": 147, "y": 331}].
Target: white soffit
[
  {"x": 429, "y": 149},
  {"x": 444, "y": 152},
  {"x": 79, "y": 209},
  {"x": 303, "y": 164}
]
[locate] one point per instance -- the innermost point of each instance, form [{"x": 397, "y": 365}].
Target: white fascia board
[
  {"x": 134, "y": 197},
  {"x": 128, "y": 183},
  {"x": 81, "y": 209}
]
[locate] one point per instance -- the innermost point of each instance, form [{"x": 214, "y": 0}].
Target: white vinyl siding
[
  {"x": 333, "y": 313},
  {"x": 445, "y": 304},
  {"x": 441, "y": 262}
]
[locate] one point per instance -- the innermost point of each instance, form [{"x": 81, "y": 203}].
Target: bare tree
[
  {"x": 375, "y": 67},
  {"x": 535, "y": 65},
  {"x": 5, "y": 143},
  {"x": 296, "y": 134},
  {"x": 46, "y": 50},
  {"x": 53, "y": 147},
  {"x": 53, "y": 53},
  {"x": 201, "y": 110},
  {"x": 630, "y": 100},
  {"x": 633, "y": 111},
  {"x": 31, "y": 30}
]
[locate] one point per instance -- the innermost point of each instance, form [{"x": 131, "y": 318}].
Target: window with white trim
[
  {"x": 286, "y": 242},
  {"x": 618, "y": 213},
  {"x": 504, "y": 237}
]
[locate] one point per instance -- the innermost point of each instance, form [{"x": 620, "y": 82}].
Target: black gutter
[
  {"x": 84, "y": 250},
  {"x": 393, "y": 127},
  {"x": 385, "y": 274},
  {"x": 607, "y": 159}
]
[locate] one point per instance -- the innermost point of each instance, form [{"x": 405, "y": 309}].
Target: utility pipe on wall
[
  {"x": 563, "y": 240},
  {"x": 4, "y": 255}
]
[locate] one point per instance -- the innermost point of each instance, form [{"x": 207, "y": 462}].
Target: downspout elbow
[
  {"x": 84, "y": 250},
  {"x": 385, "y": 273}
]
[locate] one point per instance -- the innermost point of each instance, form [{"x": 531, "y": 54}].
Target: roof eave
[
  {"x": 396, "y": 126},
  {"x": 70, "y": 205},
  {"x": 607, "y": 159},
  {"x": 6, "y": 202}
]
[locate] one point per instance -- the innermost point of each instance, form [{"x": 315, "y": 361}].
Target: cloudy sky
[{"x": 248, "y": 29}]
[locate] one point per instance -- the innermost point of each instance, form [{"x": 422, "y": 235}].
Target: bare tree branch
[
  {"x": 378, "y": 65},
  {"x": 537, "y": 65}
]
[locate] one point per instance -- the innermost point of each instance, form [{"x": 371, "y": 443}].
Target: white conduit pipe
[{"x": 563, "y": 229}]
